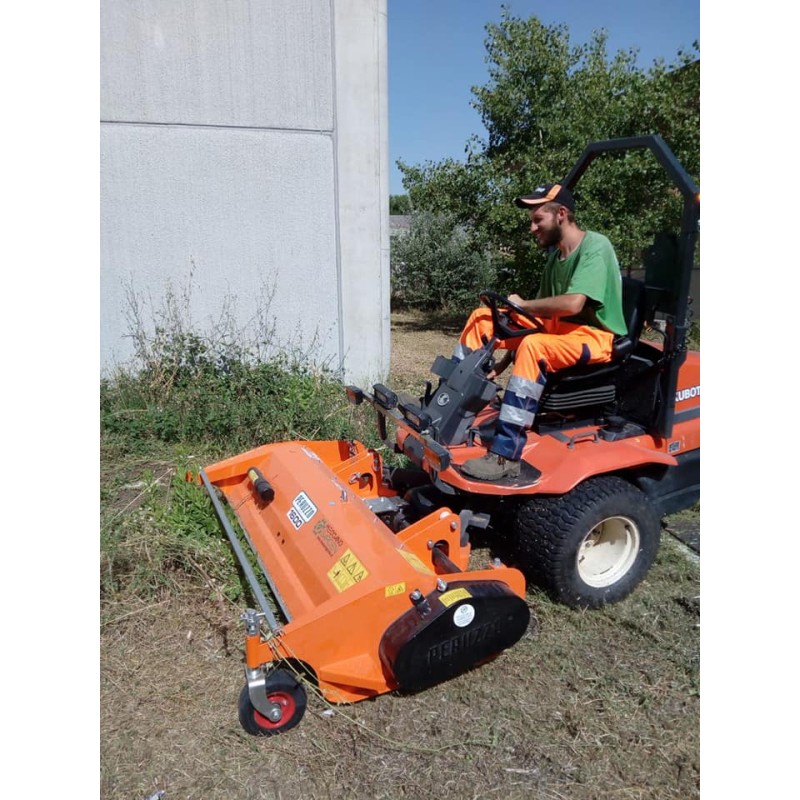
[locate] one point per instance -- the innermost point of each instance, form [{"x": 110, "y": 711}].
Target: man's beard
[{"x": 550, "y": 237}]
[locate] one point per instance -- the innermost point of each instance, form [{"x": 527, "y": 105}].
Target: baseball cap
[{"x": 547, "y": 193}]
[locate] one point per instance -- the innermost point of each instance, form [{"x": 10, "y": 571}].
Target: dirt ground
[{"x": 600, "y": 705}]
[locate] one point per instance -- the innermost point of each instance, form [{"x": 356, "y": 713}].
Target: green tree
[
  {"x": 544, "y": 102},
  {"x": 399, "y": 204},
  {"x": 437, "y": 265}
]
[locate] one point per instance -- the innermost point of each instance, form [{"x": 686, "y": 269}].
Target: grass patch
[{"x": 595, "y": 705}]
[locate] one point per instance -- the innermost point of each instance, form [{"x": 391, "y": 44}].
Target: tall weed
[{"x": 224, "y": 384}]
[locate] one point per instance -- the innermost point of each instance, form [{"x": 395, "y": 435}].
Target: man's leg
[
  {"x": 478, "y": 329},
  {"x": 537, "y": 356},
  {"x": 478, "y": 326}
]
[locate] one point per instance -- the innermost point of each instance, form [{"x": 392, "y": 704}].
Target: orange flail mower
[
  {"x": 368, "y": 566},
  {"x": 366, "y": 610}
]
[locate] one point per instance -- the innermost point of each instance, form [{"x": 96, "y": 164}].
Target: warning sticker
[
  {"x": 302, "y": 510},
  {"x": 395, "y": 589},
  {"x": 416, "y": 562},
  {"x": 453, "y": 596},
  {"x": 347, "y": 572}
]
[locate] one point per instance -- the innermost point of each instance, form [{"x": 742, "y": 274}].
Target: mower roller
[{"x": 368, "y": 566}]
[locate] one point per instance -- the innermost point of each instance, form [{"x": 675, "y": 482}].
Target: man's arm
[{"x": 562, "y": 305}]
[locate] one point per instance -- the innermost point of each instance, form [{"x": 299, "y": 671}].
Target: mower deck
[{"x": 363, "y": 610}]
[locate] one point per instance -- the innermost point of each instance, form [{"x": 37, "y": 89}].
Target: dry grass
[{"x": 588, "y": 706}]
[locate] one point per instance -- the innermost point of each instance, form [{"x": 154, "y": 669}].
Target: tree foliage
[
  {"x": 545, "y": 100},
  {"x": 437, "y": 266},
  {"x": 399, "y": 204}
]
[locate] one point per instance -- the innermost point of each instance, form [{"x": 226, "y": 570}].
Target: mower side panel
[{"x": 295, "y": 534}]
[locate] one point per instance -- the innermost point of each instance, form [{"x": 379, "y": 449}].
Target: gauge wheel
[
  {"x": 281, "y": 688},
  {"x": 591, "y": 546}
]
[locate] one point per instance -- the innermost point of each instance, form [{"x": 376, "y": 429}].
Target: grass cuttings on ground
[{"x": 587, "y": 706}]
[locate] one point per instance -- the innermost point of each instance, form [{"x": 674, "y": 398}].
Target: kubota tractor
[
  {"x": 368, "y": 566},
  {"x": 614, "y": 447}
]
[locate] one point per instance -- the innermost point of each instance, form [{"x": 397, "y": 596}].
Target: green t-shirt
[{"x": 591, "y": 269}]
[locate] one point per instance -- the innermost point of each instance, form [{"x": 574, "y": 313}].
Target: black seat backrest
[
  {"x": 633, "y": 305},
  {"x": 634, "y": 301},
  {"x": 662, "y": 271}
]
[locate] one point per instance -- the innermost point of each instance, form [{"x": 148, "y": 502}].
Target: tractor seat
[
  {"x": 594, "y": 384},
  {"x": 635, "y": 312}
]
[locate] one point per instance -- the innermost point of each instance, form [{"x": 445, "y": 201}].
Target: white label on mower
[
  {"x": 464, "y": 615},
  {"x": 302, "y": 510}
]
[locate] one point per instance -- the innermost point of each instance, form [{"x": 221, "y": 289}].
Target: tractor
[{"x": 614, "y": 447}]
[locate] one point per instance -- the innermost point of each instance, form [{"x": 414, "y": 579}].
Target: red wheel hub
[{"x": 287, "y": 704}]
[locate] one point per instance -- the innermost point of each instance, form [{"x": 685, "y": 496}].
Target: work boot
[{"x": 490, "y": 467}]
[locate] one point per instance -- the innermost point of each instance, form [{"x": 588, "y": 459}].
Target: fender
[{"x": 564, "y": 460}]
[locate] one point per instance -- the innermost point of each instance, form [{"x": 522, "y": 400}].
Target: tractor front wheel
[
  {"x": 591, "y": 546},
  {"x": 281, "y": 688}
]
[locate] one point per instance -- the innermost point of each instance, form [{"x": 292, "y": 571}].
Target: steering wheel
[{"x": 496, "y": 302}]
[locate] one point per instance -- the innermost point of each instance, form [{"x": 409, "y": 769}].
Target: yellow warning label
[
  {"x": 394, "y": 589},
  {"x": 416, "y": 562},
  {"x": 453, "y": 596},
  {"x": 347, "y": 572}
]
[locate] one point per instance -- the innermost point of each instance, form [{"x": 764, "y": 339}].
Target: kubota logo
[{"x": 687, "y": 394}]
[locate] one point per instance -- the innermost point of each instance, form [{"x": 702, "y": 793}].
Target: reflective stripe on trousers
[{"x": 520, "y": 401}]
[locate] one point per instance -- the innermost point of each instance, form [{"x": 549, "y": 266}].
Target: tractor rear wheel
[
  {"x": 591, "y": 546},
  {"x": 281, "y": 688}
]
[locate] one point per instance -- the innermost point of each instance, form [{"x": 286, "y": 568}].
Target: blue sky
[{"x": 436, "y": 54}]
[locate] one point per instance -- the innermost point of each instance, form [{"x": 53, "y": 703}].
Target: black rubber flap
[{"x": 466, "y": 624}]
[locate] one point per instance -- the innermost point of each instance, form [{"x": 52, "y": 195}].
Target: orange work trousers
[{"x": 563, "y": 345}]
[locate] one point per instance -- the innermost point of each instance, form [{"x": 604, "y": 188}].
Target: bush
[
  {"x": 438, "y": 266},
  {"x": 224, "y": 386}
]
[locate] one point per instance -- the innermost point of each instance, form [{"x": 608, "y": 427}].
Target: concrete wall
[{"x": 244, "y": 152}]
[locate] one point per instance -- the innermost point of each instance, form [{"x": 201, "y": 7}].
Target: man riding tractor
[{"x": 580, "y": 306}]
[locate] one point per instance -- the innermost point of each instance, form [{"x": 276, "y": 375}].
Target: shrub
[
  {"x": 225, "y": 385},
  {"x": 438, "y": 265}
]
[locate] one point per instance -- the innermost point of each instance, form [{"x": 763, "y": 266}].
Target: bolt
[
  {"x": 251, "y": 619},
  {"x": 420, "y": 602},
  {"x": 453, "y": 525},
  {"x": 441, "y": 585}
]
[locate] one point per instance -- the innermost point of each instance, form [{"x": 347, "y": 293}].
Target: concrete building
[{"x": 244, "y": 153}]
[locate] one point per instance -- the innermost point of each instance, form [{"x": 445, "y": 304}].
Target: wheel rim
[
  {"x": 288, "y": 707},
  {"x": 608, "y": 551}
]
